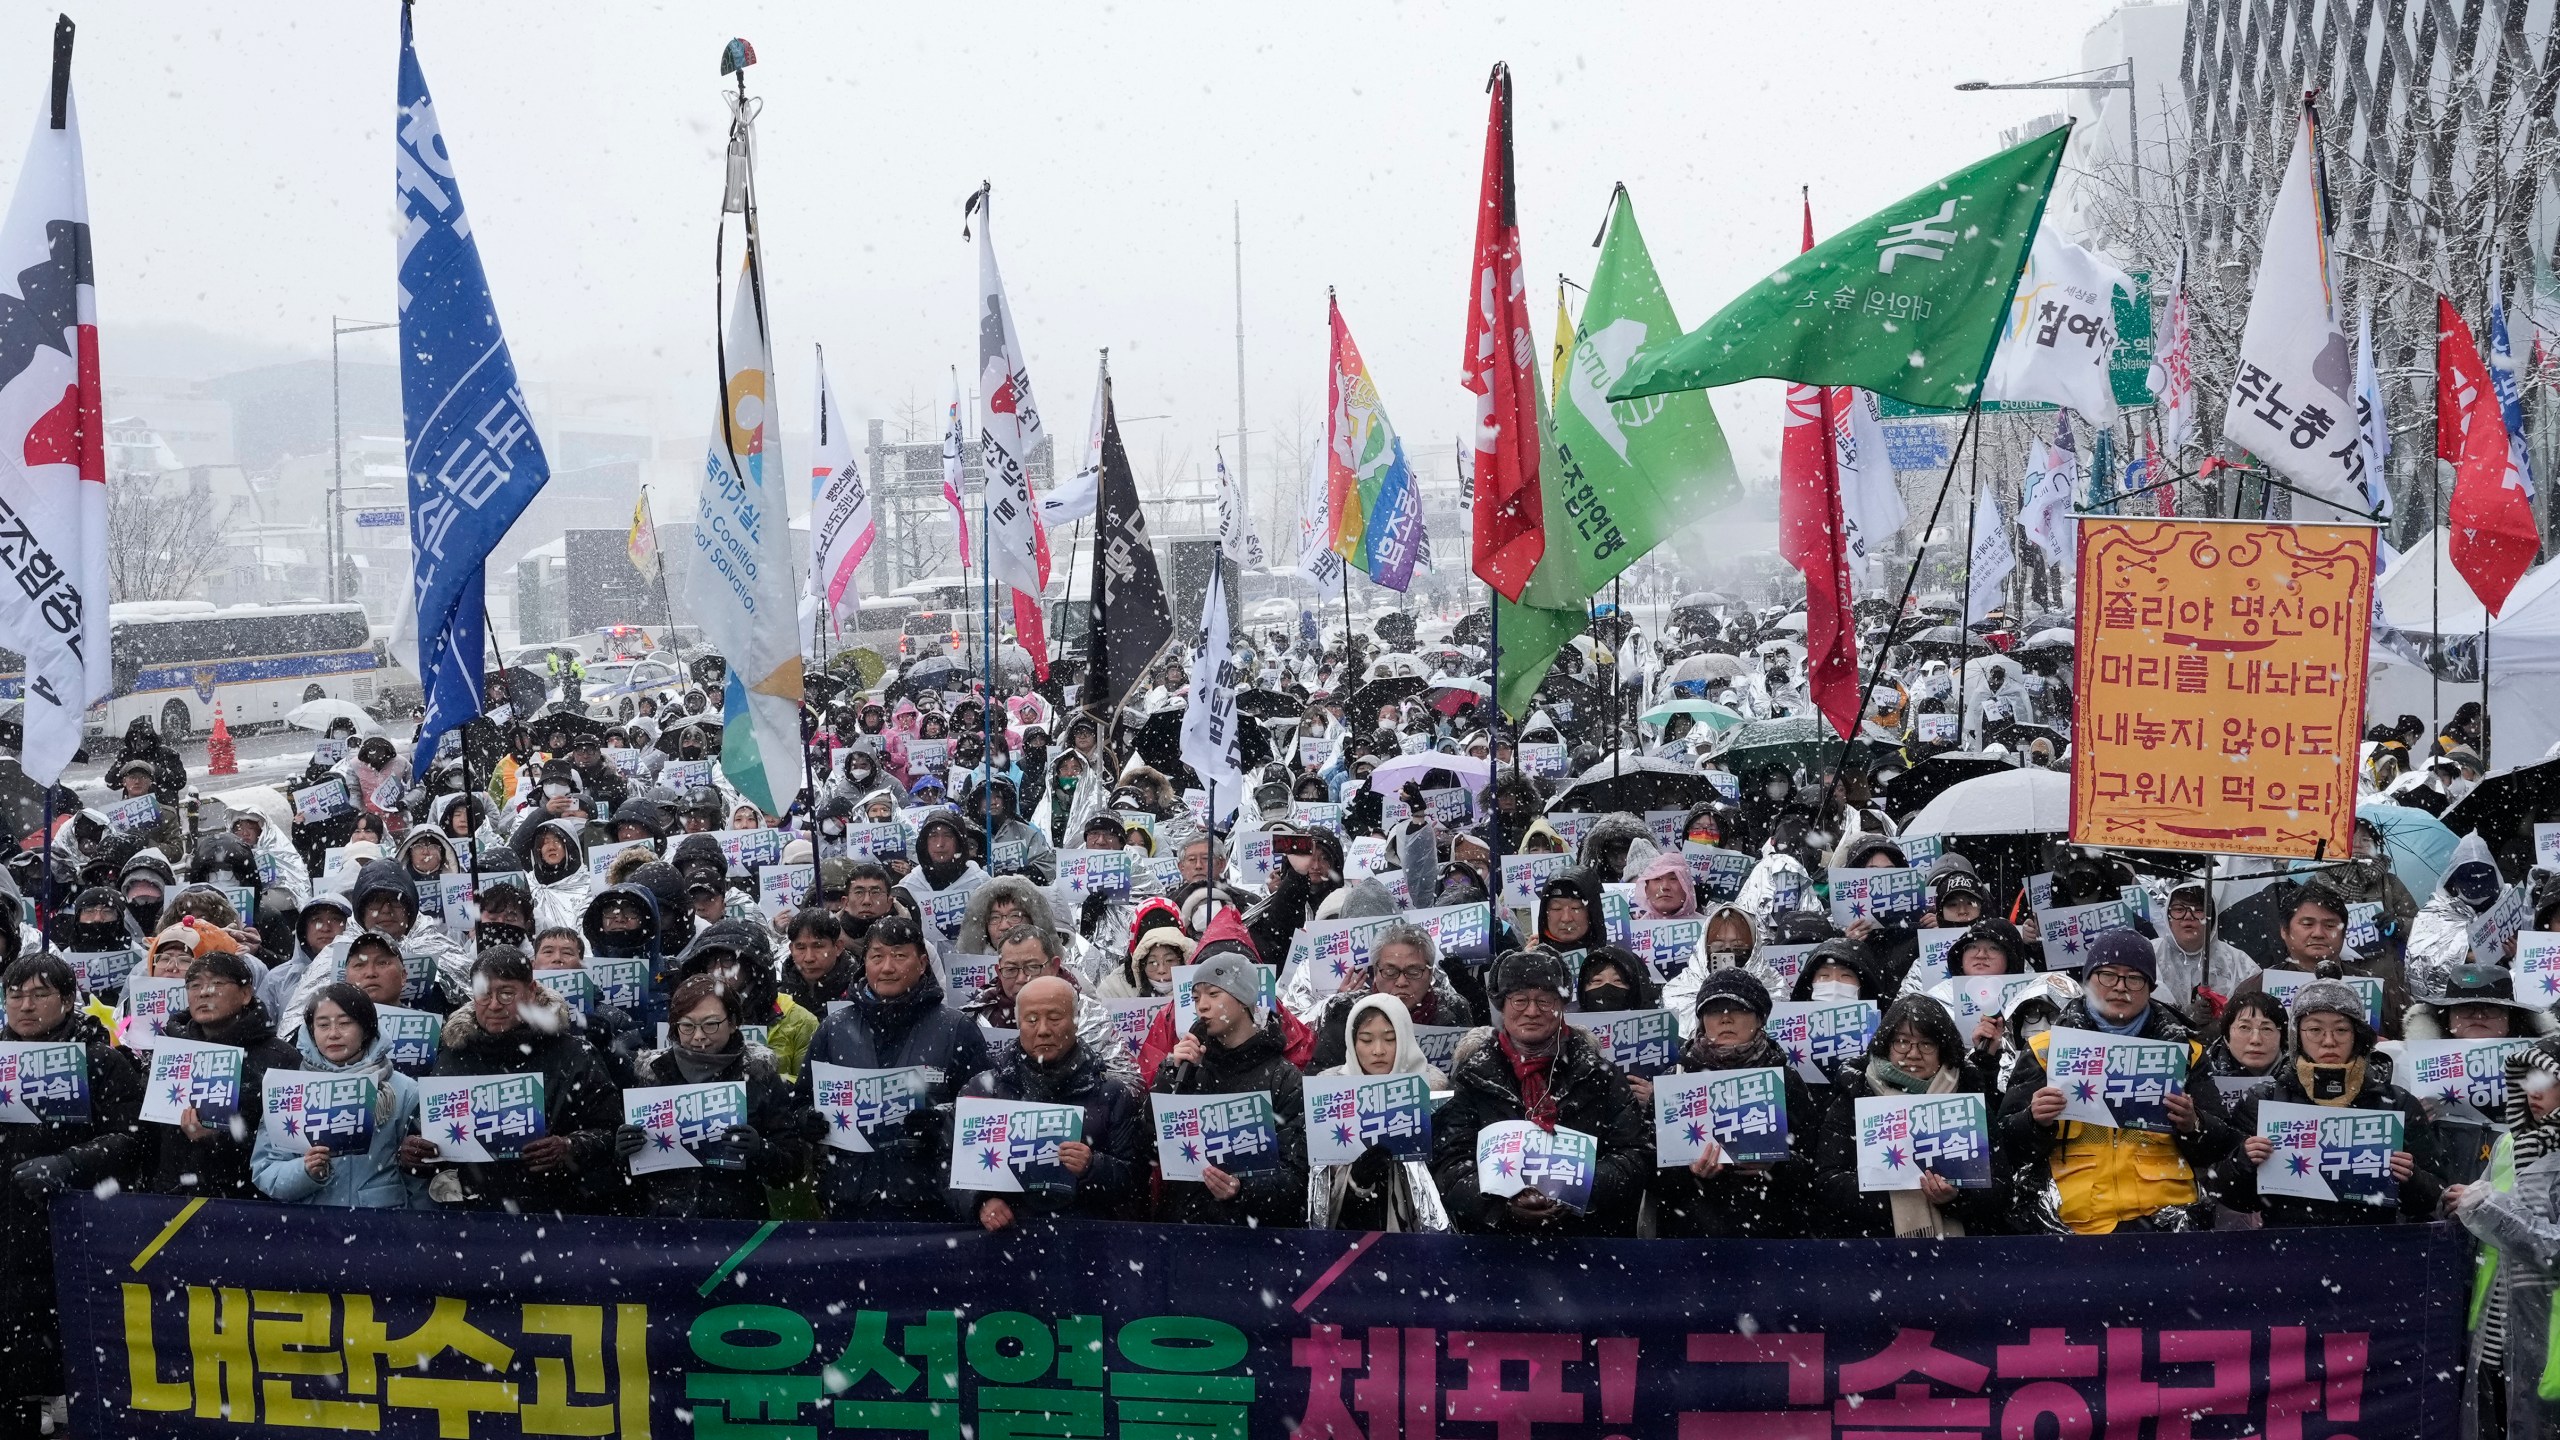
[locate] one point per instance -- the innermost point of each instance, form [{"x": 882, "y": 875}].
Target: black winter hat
[
  {"x": 1734, "y": 985},
  {"x": 1536, "y": 968}
]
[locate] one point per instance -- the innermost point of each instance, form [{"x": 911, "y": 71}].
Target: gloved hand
[
  {"x": 629, "y": 1140},
  {"x": 745, "y": 1144},
  {"x": 44, "y": 1178},
  {"x": 1373, "y": 1167}
]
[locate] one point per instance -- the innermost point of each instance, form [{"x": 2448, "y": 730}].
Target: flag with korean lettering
[
  {"x": 43, "y": 1081},
  {"x": 1908, "y": 302},
  {"x": 1742, "y": 1112},
  {"x": 2468, "y": 1072},
  {"x": 1818, "y": 1034},
  {"x": 1238, "y": 1134},
  {"x": 678, "y": 1123},
  {"x": 2060, "y": 330},
  {"x": 53, "y": 433},
  {"x": 1348, "y": 1114},
  {"x": 481, "y": 1118},
  {"x": 862, "y": 1105},
  {"x": 1903, "y": 1137},
  {"x": 474, "y": 462},
  {"x": 304, "y": 1109},
  {"x": 1513, "y": 1156},
  {"x": 1639, "y": 1042},
  {"x": 2327, "y": 1154},
  {"x": 192, "y": 1075},
  {"x": 1014, "y": 1146},
  {"x": 2292, "y": 402},
  {"x": 1009, "y": 432},
  {"x": 2122, "y": 1082}
]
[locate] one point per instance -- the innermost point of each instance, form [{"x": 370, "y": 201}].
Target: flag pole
[
  {"x": 1910, "y": 578},
  {"x": 1964, "y": 611},
  {"x": 2435, "y": 578}
]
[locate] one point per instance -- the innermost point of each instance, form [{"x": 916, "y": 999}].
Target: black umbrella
[
  {"x": 1802, "y": 742},
  {"x": 1938, "y": 635},
  {"x": 706, "y": 727},
  {"x": 1576, "y": 706},
  {"x": 517, "y": 687},
  {"x": 709, "y": 671},
  {"x": 2503, "y": 809},
  {"x": 1159, "y": 743},
  {"x": 1360, "y": 711},
  {"x": 820, "y": 687},
  {"x": 1270, "y": 705},
  {"x": 548, "y": 728},
  {"x": 925, "y": 676},
  {"x": 1634, "y": 786},
  {"x": 1907, "y": 792}
]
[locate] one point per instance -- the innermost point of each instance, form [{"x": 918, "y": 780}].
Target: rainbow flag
[{"x": 1375, "y": 506}]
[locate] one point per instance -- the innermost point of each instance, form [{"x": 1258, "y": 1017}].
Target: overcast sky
[{"x": 240, "y": 174}]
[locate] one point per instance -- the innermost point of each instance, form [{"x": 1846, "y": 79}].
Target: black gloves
[
  {"x": 1373, "y": 1167},
  {"x": 629, "y": 1140},
  {"x": 44, "y": 1178}
]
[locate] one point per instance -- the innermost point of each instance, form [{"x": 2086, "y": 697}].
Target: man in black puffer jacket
[
  {"x": 1229, "y": 1053},
  {"x": 1532, "y": 1066},
  {"x": 893, "y": 1020},
  {"x": 1049, "y": 1065},
  {"x": 196, "y": 1158},
  {"x": 515, "y": 1027}
]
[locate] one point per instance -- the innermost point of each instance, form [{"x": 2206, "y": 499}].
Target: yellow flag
[
  {"x": 643, "y": 543},
  {"x": 1564, "y": 345}
]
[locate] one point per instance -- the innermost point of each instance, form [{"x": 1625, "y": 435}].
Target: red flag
[
  {"x": 2155, "y": 472},
  {"x": 1812, "y": 538},
  {"x": 2493, "y": 539},
  {"x": 1510, "y": 526}
]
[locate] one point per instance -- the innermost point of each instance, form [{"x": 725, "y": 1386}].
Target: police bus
[{"x": 173, "y": 658}]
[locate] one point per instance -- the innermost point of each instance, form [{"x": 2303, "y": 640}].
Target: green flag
[
  {"x": 1906, "y": 303},
  {"x": 1620, "y": 476}
]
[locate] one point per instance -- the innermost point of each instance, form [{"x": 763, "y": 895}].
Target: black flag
[{"x": 1130, "y": 623}]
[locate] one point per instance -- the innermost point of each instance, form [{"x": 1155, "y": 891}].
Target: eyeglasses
[
  {"x": 1022, "y": 972},
  {"x": 2186, "y": 911},
  {"x": 699, "y": 1029},
  {"x": 1909, "y": 1044},
  {"x": 1400, "y": 972},
  {"x": 1537, "y": 1001},
  {"x": 2118, "y": 980}
]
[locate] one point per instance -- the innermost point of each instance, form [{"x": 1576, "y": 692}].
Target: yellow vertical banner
[{"x": 2220, "y": 681}]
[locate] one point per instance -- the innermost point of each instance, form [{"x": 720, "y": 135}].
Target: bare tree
[
  {"x": 164, "y": 537},
  {"x": 917, "y": 418}
]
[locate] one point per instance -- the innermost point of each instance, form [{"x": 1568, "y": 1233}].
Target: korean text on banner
[{"x": 2222, "y": 679}]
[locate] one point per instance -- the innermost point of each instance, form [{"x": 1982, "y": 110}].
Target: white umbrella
[
  {"x": 2021, "y": 802},
  {"x": 1794, "y": 624},
  {"x": 1389, "y": 777},
  {"x": 317, "y": 716}
]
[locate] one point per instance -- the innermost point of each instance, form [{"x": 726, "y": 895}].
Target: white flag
[
  {"x": 1210, "y": 744},
  {"x": 1871, "y": 508},
  {"x": 2060, "y": 329},
  {"x": 2292, "y": 400},
  {"x": 2173, "y": 376},
  {"x": 2370, "y": 421},
  {"x": 1316, "y": 559},
  {"x": 840, "y": 523},
  {"x": 2053, "y": 473},
  {"x": 1235, "y": 523},
  {"x": 1075, "y": 500},
  {"x": 53, "y": 473},
  {"x": 1008, "y": 423},
  {"x": 1993, "y": 559}
]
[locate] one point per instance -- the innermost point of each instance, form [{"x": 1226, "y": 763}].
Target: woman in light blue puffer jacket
[{"x": 341, "y": 1035}]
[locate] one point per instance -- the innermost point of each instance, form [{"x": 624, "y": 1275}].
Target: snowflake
[
  {"x": 1893, "y": 1157},
  {"x": 991, "y": 1159},
  {"x": 1502, "y": 1166},
  {"x": 457, "y": 1133},
  {"x": 1696, "y": 1133},
  {"x": 1190, "y": 1151},
  {"x": 1341, "y": 1134},
  {"x": 663, "y": 1141},
  {"x": 839, "y": 1120},
  {"x": 2084, "y": 1090},
  {"x": 2298, "y": 1163}
]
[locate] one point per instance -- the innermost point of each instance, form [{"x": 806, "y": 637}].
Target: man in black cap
[
  {"x": 1712, "y": 1198},
  {"x": 1532, "y": 1066}
]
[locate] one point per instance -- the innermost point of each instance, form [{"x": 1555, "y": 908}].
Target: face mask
[
  {"x": 1836, "y": 991},
  {"x": 498, "y": 932},
  {"x": 145, "y": 911},
  {"x": 1606, "y": 997},
  {"x": 1777, "y": 790},
  {"x": 555, "y": 790},
  {"x": 1727, "y": 955}
]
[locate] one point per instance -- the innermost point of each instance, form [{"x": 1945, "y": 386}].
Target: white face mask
[{"x": 1836, "y": 991}]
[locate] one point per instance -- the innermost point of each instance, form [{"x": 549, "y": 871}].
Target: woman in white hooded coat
[
  {"x": 1378, "y": 1191},
  {"x": 561, "y": 885}
]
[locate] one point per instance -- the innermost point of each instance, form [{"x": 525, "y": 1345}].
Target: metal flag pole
[{"x": 1964, "y": 611}]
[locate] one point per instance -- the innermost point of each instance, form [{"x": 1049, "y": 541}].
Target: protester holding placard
[
  {"x": 943, "y": 867},
  {"x": 342, "y": 1036},
  {"x": 896, "y": 1019},
  {"x": 739, "y": 1166},
  {"x": 2447, "y": 931},
  {"x": 1229, "y": 1052},
  {"x": 513, "y": 1026},
  {"x": 1312, "y": 871},
  {"x": 316, "y": 928},
  {"x": 1712, "y": 1198},
  {"x": 1403, "y": 963},
  {"x": 2097, "y": 1179},
  {"x": 1987, "y": 947},
  {"x": 1379, "y": 1190},
  {"x": 1890, "y": 936},
  {"x": 195, "y": 1157},
  {"x": 1916, "y": 1051},
  {"x": 2247, "y": 1046},
  {"x": 2192, "y": 957},
  {"x": 1731, "y": 940},
  {"x": 1048, "y": 1063},
  {"x": 617, "y": 1036},
  {"x": 2333, "y": 1067},
  {"x": 1665, "y": 889},
  {"x": 1026, "y": 952},
  {"x": 1569, "y": 918},
  {"x": 2514, "y": 1211},
  {"x": 1531, "y": 1066},
  {"x": 104, "y": 1141},
  {"x": 1837, "y": 969}
]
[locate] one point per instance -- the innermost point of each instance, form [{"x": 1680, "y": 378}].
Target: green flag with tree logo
[
  {"x": 1907, "y": 302},
  {"x": 1620, "y": 475}
]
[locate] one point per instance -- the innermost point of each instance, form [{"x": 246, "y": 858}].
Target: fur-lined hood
[{"x": 1032, "y": 900}]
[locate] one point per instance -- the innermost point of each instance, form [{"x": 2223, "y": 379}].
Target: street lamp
[
  {"x": 2079, "y": 81},
  {"x": 339, "y": 326}
]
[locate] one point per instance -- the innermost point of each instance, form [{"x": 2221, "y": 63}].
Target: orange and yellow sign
[{"x": 2220, "y": 679}]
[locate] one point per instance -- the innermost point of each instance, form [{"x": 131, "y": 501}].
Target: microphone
[{"x": 1187, "y": 1073}]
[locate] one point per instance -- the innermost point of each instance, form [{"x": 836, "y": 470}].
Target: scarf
[
  {"x": 2129, "y": 1027},
  {"x": 1757, "y": 1051},
  {"x": 2336, "y": 1086},
  {"x": 1537, "y": 1099},
  {"x": 699, "y": 1068},
  {"x": 1913, "y": 1216}
]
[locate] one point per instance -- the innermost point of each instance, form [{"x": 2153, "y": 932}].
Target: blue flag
[{"x": 474, "y": 461}]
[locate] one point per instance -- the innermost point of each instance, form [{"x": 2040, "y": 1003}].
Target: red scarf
[{"x": 1536, "y": 1099}]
